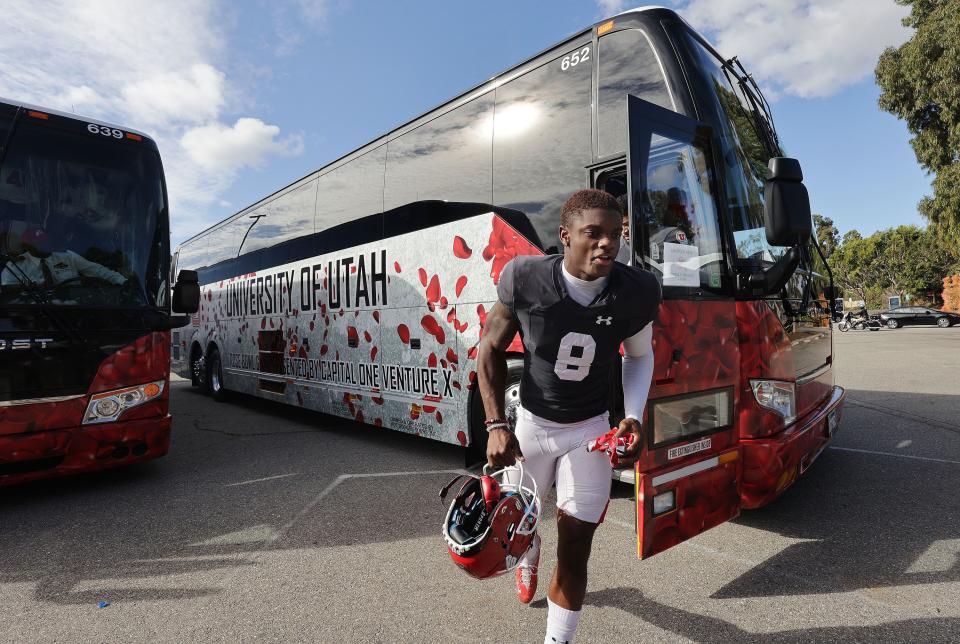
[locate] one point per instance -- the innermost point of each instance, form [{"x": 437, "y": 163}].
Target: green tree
[
  {"x": 904, "y": 260},
  {"x": 920, "y": 83},
  {"x": 856, "y": 265},
  {"x": 827, "y": 234}
]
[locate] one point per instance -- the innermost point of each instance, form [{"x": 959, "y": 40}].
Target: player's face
[{"x": 591, "y": 243}]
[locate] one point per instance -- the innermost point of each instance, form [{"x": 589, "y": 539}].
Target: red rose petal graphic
[
  {"x": 404, "y": 333},
  {"x": 472, "y": 353},
  {"x": 323, "y": 349},
  {"x": 432, "y": 360},
  {"x": 439, "y": 417},
  {"x": 396, "y": 266},
  {"x": 460, "y": 248},
  {"x": 431, "y": 326},
  {"x": 462, "y": 438},
  {"x": 367, "y": 336},
  {"x": 452, "y": 315},
  {"x": 376, "y": 316},
  {"x": 352, "y": 336},
  {"x": 482, "y": 314},
  {"x": 452, "y": 355},
  {"x": 373, "y": 354},
  {"x": 461, "y": 282},
  {"x": 433, "y": 290},
  {"x": 423, "y": 276}
]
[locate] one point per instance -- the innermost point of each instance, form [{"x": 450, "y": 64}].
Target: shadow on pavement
[
  {"x": 867, "y": 520},
  {"x": 101, "y": 536},
  {"x": 701, "y": 628}
]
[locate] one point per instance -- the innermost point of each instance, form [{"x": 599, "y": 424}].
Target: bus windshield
[{"x": 82, "y": 219}]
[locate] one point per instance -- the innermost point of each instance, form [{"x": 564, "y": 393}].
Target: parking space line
[
  {"x": 268, "y": 478},
  {"x": 340, "y": 479},
  {"x": 915, "y": 458}
]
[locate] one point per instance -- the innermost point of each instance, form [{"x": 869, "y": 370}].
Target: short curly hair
[{"x": 586, "y": 200}]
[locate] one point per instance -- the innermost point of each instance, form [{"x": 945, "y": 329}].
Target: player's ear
[{"x": 564, "y": 237}]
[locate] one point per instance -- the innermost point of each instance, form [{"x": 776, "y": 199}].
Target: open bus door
[{"x": 689, "y": 471}]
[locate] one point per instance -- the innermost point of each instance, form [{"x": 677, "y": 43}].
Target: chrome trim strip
[
  {"x": 813, "y": 375},
  {"x": 689, "y": 470},
  {"x": 38, "y": 401}
]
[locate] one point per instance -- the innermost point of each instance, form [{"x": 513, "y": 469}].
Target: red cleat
[{"x": 527, "y": 573}]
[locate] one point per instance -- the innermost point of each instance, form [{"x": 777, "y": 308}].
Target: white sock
[
  {"x": 529, "y": 558},
  {"x": 561, "y": 624}
]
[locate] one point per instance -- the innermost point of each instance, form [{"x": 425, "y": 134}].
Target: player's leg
[
  {"x": 583, "y": 491},
  {"x": 540, "y": 462}
]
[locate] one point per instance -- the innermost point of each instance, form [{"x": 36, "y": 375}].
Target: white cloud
[
  {"x": 192, "y": 95},
  {"x": 158, "y": 67},
  {"x": 247, "y": 143},
  {"x": 807, "y": 48},
  {"x": 611, "y": 7}
]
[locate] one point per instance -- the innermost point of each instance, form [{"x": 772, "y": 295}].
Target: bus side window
[
  {"x": 288, "y": 216},
  {"x": 448, "y": 158},
  {"x": 351, "y": 191},
  {"x": 542, "y": 140},
  {"x": 628, "y": 65}
]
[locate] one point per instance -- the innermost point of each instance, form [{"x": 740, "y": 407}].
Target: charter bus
[
  {"x": 84, "y": 295},
  {"x": 361, "y": 290}
]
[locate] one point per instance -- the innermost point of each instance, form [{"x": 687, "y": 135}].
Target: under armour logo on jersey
[{"x": 605, "y": 320}]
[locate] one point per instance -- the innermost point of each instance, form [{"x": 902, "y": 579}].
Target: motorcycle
[{"x": 860, "y": 323}]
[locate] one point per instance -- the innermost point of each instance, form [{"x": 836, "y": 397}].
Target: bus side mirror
[
  {"x": 186, "y": 293},
  {"x": 787, "y": 205}
]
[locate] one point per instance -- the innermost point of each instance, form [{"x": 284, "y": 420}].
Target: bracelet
[
  {"x": 502, "y": 425},
  {"x": 491, "y": 421}
]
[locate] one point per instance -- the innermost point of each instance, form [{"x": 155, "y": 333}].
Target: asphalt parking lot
[{"x": 267, "y": 523}]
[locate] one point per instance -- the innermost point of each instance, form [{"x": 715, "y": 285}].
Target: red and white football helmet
[{"x": 492, "y": 521}]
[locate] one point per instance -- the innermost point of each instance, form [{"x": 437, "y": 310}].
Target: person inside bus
[
  {"x": 43, "y": 266},
  {"x": 625, "y": 254}
]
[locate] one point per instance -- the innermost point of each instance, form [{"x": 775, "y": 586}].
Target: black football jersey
[{"x": 569, "y": 348}]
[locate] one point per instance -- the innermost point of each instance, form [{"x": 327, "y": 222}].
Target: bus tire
[
  {"x": 215, "y": 375},
  {"x": 476, "y": 452},
  {"x": 198, "y": 370}
]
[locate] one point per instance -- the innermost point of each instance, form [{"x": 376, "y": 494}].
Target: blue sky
[{"x": 245, "y": 97}]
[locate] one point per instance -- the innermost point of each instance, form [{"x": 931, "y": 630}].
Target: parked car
[{"x": 903, "y": 315}]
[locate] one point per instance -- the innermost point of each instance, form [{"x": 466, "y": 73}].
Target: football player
[{"x": 572, "y": 312}]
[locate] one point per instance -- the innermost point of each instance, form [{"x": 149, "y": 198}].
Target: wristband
[
  {"x": 500, "y": 425},
  {"x": 491, "y": 421}
]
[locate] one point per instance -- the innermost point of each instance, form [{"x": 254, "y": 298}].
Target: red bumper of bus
[
  {"x": 771, "y": 465},
  {"x": 52, "y": 453}
]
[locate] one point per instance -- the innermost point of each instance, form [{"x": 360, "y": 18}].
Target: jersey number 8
[{"x": 575, "y": 356}]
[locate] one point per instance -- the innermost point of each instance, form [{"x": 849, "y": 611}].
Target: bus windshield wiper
[{"x": 36, "y": 292}]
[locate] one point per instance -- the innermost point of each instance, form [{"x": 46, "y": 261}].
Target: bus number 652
[{"x": 575, "y": 59}]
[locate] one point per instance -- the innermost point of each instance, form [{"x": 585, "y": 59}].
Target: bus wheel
[
  {"x": 198, "y": 371},
  {"x": 477, "y": 451},
  {"x": 215, "y": 376}
]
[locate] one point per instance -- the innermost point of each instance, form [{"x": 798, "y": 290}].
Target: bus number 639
[{"x": 93, "y": 128}]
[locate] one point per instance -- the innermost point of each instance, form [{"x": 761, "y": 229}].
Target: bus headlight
[
  {"x": 107, "y": 406},
  {"x": 777, "y": 396}
]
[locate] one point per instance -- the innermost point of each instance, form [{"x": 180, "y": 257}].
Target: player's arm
[
  {"x": 498, "y": 332},
  {"x": 637, "y": 376}
]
